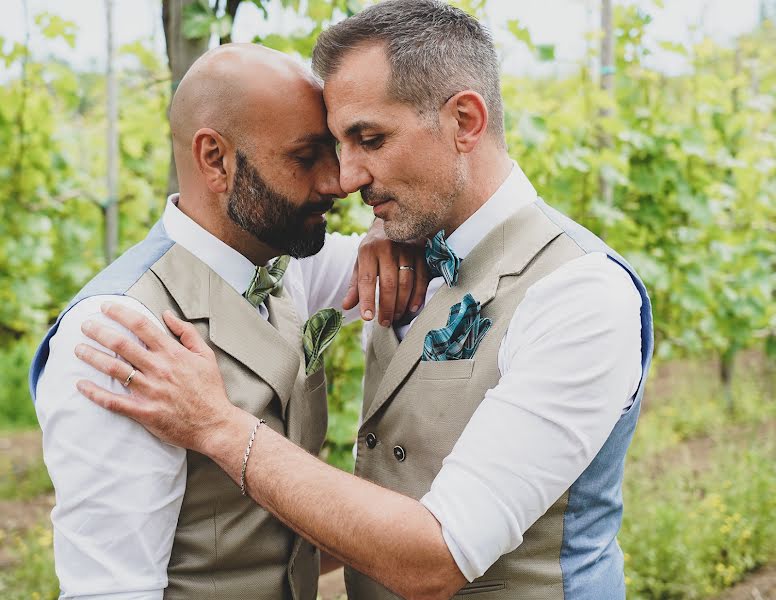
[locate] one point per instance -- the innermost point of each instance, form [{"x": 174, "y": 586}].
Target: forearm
[{"x": 388, "y": 537}]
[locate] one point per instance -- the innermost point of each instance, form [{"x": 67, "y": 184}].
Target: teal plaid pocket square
[{"x": 460, "y": 337}]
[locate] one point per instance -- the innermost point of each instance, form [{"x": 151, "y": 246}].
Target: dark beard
[{"x": 271, "y": 217}]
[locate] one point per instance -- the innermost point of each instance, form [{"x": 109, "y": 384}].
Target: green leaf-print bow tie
[
  {"x": 267, "y": 281},
  {"x": 318, "y": 333}
]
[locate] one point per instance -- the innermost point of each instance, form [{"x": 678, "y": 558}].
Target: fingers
[
  {"x": 107, "y": 336},
  {"x": 109, "y": 365},
  {"x": 366, "y": 283},
  {"x": 406, "y": 282},
  {"x": 151, "y": 335},
  {"x": 118, "y": 403},
  {"x": 388, "y": 271},
  {"x": 421, "y": 283},
  {"x": 188, "y": 334},
  {"x": 351, "y": 298}
]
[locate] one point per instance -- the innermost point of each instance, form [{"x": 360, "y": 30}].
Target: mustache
[
  {"x": 317, "y": 207},
  {"x": 368, "y": 194}
]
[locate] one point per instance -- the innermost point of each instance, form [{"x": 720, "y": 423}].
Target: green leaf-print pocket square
[{"x": 317, "y": 335}]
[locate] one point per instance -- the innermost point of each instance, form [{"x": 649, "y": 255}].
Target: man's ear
[
  {"x": 209, "y": 150},
  {"x": 471, "y": 116}
]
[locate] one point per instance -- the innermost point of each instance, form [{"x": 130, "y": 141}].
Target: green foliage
[
  {"x": 698, "y": 407},
  {"x": 691, "y": 163},
  {"x": 33, "y": 576},
  {"x": 544, "y": 52},
  {"x": 16, "y": 408},
  {"x": 200, "y": 20},
  {"x": 52, "y": 26},
  {"x": 25, "y": 484},
  {"x": 52, "y": 122},
  {"x": 690, "y": 533},
  {"x": 344, "y": 371},
  {"x": 699, "y": 508}
]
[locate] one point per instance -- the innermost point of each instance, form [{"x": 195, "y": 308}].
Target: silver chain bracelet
[{"x": 247, "y": 454}]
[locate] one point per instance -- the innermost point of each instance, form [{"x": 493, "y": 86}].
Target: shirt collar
[
  {"x": 224, "y": 260},
  {"x": 513, "y": 194}
]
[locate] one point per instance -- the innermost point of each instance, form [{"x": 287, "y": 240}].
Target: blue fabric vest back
[
  {"x": 114, "y": 280},
  {"x": 591, "y": 560}
]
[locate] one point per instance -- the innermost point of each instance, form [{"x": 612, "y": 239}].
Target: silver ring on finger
[
  {"x": 406, "y": 268},
  {"x": 128, "y": 380}
]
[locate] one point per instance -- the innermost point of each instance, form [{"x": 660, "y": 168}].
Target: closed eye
[
  {"x": 306, "y": 161},
  {"x": 372, "y": 142}
]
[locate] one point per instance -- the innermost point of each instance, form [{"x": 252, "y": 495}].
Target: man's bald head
[
  {"x": 235, "y": 90},
  {"x": 256, "y": 162}
]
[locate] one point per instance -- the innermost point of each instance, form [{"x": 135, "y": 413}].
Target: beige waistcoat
[
  {"x": 226, "y": 547},
  {"x": 416, "y": 410}
]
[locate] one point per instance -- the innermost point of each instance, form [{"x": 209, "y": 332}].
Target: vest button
[
  {"x": 399, "y": 453},
  {"x": 371, "y": 440}
]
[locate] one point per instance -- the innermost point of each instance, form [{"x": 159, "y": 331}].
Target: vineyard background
[{"x": 676, "y": 171}]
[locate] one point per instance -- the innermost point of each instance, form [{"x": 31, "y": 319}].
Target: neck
[
  {"x": 206, "y": 212},
  {"x": 487, "y": 171}
]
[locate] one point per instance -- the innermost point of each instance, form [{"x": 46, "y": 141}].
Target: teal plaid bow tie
[
  {"x": 267, "y": 281},
  {"x": 442, "y": 261},
  {"x": 460, "y": 337}
]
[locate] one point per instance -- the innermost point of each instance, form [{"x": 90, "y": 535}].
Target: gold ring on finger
[
  {"x": 406, "y": 268},
  {"x": 128, "y": 380}
]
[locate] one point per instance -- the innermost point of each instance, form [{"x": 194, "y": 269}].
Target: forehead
[
  {"x": 357, "y": 91},
  {"x": 290, "y": 114}
]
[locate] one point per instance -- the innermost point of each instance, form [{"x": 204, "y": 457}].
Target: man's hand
[
  {"x": 177, "y": 391},
  {"x": 402, "y": 273}
]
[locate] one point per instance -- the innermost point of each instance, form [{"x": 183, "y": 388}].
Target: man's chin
[
  {"x": 402, "y": 232},
  {"x": 311, "y": 244}
]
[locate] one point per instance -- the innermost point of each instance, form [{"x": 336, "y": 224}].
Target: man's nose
[
  {"x": 330, "y": 185},
  {"x": 353, "y": 173}
]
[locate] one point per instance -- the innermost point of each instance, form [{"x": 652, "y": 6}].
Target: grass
[
  {"x": 696, "y": 406},
  {"x": 689, "y": 533},
  {"x": 33, "y": 577},
  {"x": 24, "y": 484}
]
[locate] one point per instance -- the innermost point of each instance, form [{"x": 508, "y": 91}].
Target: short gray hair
[{"x": 434, "y": 50}]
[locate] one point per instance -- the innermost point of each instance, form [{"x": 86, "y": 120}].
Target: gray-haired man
[{"x": 495, "y": 425}]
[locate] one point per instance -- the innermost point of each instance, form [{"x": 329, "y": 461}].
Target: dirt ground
[{"x": 760, "y": 585}]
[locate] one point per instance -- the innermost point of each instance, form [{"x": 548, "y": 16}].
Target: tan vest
[
  {"x": 415, "y": 411},
  {"x": 227, "y": 547}
]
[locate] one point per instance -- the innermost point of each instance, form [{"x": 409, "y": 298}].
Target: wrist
[{"x": 226, "y": 440}]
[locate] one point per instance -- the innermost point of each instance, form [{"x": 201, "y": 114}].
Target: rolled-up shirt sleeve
[
  {"x": 118, "y": 488},
  {"x": 570, "y": 365}
]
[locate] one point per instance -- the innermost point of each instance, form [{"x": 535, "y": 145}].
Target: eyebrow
[{"x": 358, "y": 127}]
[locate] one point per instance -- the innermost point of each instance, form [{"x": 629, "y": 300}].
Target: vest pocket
[
  {"x": 314, "y": 420},
  {"x": 480, "y": 587},
  {"x": 315, "y": 380},
  {"x": 446, "y": 369}
]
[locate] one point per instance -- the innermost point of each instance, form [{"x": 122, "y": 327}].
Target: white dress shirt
[
  {"x": 570, "y": 365},
  {"x": 118, "y": 488}
]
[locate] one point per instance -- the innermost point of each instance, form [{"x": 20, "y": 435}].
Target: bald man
[{"x": 137, "y": 518}]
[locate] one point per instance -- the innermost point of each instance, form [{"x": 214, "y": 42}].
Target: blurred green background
[{"x": 675, "y": 168}]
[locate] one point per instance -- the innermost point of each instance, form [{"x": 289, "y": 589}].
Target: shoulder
[
  {"x": 593, "y": 275},
  {"x": 90, "y": 307},
  {"x": 588, "y": 294}
]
